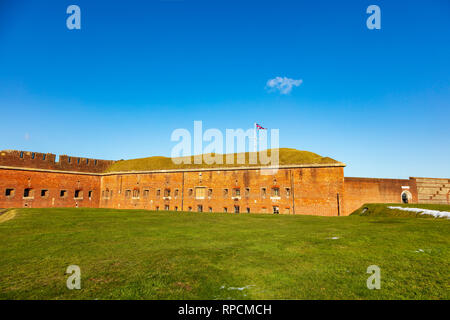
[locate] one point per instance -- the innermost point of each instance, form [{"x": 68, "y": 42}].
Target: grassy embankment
[
  {"x": 382, "y": 210},
  {"x": 286, "y": 157}
]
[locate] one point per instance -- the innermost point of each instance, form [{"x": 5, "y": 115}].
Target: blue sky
[{"x": 378, "y": 100}]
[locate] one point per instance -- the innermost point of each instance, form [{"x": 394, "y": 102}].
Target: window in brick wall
[
  {"x": 190, "y": 192},
  {"x": 288, "y": 192},
  {"x": 210, "y": 191},
  {"x": 236, "y": 192},
  {"x": 200, "y": 192},
  {"x": 210, "y": 209},
  {"x": 78, "y": 161},
  {"x": 263, "y": 192},
  {"x": 158, "y": 192},
  {"x": 28, "y": 193},
  {"x": 136, "y": 194},
  {"x": 199, "y": 208},
  {"x": 236, "y": 209},
  {"x": 247, "y": 192},
  {"x": 225, "y": 209},
  {"x": 275, "y": 192},
  {"x": 146, "y": 193},
  {"x": 175, "y": 193},
  {"x": 127, "y": 194},
  {"x": 69, "y": 159},
  {"x": 225, "y": 193},
  {"x": 43, "y": 157},
  {"x": 87, "y": 161},
  {"x": 90, "y": 194},
  {"x": 95, "y": 162},
  {"x": 166, "y": 192},
  {"x": 44, "y": 193},
  {"x": 63, "y": 193},
  {"x": 248, "y": 210},
  {"x": 32, "y": 155},
  {"x": 9, "y": 192},
  {"x": 78, "y": 194},
  {"x": 21, "y": 154}
]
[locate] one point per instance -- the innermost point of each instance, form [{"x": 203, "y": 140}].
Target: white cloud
[{"x": 284, "y": 85}]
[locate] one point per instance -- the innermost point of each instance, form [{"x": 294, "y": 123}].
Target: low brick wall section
[{"x": 371, "y": 190}]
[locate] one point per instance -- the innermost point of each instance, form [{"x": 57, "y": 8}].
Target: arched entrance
[{"x": 406, "y": 197}]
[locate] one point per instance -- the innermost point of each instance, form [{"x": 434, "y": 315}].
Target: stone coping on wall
[
  {"x": 50, "y": 170},
  {"x": 375, "y": 179},
  {"x": 293, "y": 166}
]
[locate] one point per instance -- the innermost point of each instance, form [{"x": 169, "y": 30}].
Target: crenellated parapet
[{"x": 37, "y": 160}]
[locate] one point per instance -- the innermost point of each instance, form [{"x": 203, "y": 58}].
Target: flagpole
[{"x": 255, "y": 142}]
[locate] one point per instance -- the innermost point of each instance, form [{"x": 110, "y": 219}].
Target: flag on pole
[{"x": 255, "y": 136}]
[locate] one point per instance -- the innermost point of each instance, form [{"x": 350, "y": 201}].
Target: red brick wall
[
  {"x": 317, "y": 191},
  {"x": 51, "y": 181},
  {"x": 26, "y": 159},
  {"x": 311, "y": 190},
  {"x": 359, "y": 191}
]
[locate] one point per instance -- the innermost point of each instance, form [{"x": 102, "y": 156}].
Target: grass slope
[
  {"x": 133, "y": 254},
  {"x": 286, "y": 156},
  {"x": 382, "y": 210}
]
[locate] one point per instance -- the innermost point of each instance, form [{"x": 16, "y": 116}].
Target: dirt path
[{"x": 7, "y": 214}]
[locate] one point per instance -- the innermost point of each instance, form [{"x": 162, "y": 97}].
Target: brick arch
[{"x": 408, "y": 194}]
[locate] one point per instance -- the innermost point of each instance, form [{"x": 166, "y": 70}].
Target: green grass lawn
[{"x": 134, "y": 254}]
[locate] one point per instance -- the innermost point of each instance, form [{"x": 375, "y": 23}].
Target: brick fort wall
[
  {"x": 288, "y": 191},
  {"x": 45, "y": 189},
  {"x": 30, "y": 179}
]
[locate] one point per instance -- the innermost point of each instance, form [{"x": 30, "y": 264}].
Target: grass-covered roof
[{"x": 286, "y": 157}]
